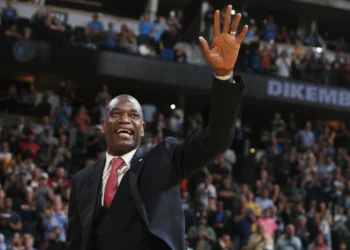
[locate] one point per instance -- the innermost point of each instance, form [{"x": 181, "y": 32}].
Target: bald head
[
  {"x": 290, "y": 230},
  {"x": 123, "y": 97}
]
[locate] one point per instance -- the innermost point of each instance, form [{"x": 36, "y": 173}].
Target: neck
[{"x": 120, "y": 152}]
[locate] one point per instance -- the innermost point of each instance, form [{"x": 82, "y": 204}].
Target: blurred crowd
[
  {"x": 299, "y": 200},
  {"x": 155, "y": 39},
  {"x": 270, "y": 48}
]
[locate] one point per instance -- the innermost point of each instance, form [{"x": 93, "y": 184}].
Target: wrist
[{"x": 223, "y": 72}]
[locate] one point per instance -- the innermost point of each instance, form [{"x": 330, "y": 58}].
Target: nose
[{"x": 124, "y": 118}]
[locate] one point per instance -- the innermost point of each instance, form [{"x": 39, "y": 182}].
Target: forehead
[{"x": 125, "y": 103}]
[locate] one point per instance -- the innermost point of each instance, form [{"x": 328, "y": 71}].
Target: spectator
[
  {"x": 225, "y": 243},
  {"x": 39, "y": 15},
  {"x": 95, "y": 28},
  {"x": 82, "y": 121},
  {"x": 3, "y": 245},
  {"x": 274, "y": 150},
  {"x": 29, "y": 146},
  {"x": 243, "y": 217},
  {"x": 270, "y": 225},
  {"x": 302, "y": 231},
  {"x": 260, "y": 240},
  {"x": 226, "y": 192},
  {"x": 315, "y": 40},
  {"x": 53, "y": 242},
  {"x": 283, "y": 64},
  {"x": 202, "y": 235},
  {"x": 145, "y": 28},
  {"x": 167, "y": 43},
  {"x": 266, "y": 59},
  {"x": 10, "y": 222},
  {"x": 306, "y": 136},
  {"x": 319, "y": 243},
  {"x": 63, "y": 113},
  {"x": 56, "y": 218},
  {"x": 9, "y": 13},
  {"x": 111, "y": 37},
  {"x": 126, "y": 40},
  {"x": 344, "y": 73},
  {"x": 104, "y": 95},
  {"x": 29, "y": 242},
  {"x": 271, "y": 29},
  {"x": 289, "y": 241},
  {"x": 159, "y": 28},
  {"x": 206, "y": 190}
]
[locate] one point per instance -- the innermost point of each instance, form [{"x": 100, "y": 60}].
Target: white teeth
[{"x": 124, "y": 130}]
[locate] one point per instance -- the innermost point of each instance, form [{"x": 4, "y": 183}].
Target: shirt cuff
[{"x": 225, "y": 78}]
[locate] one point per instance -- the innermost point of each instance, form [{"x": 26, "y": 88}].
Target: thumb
[{"x": 205, "y": 47}]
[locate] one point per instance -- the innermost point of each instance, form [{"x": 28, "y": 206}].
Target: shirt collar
[{"x": 127, "y": 157}]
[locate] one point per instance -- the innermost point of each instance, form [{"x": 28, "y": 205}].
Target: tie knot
[{"x": 117, "y": 163}]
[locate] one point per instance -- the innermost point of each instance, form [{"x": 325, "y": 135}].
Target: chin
[{"x": 125, "y": 146}]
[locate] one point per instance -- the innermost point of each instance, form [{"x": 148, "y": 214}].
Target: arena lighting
[
  {"x": 173, "y": 106},
  {"x": 252, "y": 150},
  {"x": 319, "y": 49},
  {"x": 233, "y": 12}
]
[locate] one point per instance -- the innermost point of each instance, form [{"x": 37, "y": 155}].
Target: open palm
[{"x": 223, "y": 53}]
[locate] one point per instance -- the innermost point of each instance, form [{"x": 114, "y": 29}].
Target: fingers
[
  {"x": 236, "y": 22},
  {"x": 217, "y": 23},
  {"x": 241, "y": 35},
  {"x": 227, "y": 19},
  {"x": 205, "y": 47}
]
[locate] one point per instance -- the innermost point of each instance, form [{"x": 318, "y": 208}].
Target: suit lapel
[
  {"x": 135, "y": 168},
  {"x": 94, "y": 182}
]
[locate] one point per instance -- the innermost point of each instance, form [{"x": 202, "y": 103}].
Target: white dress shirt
[{"x": 106, "y": 171}]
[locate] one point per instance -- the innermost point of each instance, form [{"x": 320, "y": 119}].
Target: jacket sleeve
[
  {"x": 74, "y": 229},
  {"x": 201, "y": 149}
]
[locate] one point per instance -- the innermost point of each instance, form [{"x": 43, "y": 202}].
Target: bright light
[
  {"x": 319, "y": 50},
  {"x": 172, "y": 106},
  {"x": 252, "y": 150},
  {"x": 233, "y": 12}
]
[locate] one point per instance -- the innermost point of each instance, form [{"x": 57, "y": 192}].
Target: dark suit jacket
[{"x": 155, "y": 176}]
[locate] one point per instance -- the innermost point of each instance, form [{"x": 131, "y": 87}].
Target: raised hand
[{"x": 222, "y": 54}]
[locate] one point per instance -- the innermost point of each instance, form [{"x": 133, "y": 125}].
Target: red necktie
[{"x": 112, "y": 182}]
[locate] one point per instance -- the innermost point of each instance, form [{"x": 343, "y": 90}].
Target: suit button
[{"x": 108, "y": 216}]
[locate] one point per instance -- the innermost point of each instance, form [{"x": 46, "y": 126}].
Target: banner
[{"x": 307, "y": 93}]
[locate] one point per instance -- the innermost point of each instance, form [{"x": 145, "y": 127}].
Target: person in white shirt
[
  {"x": 283, "y": 64},
  {"x": 206, "y": 190}
]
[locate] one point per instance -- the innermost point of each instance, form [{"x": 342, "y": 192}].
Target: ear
[
  {"x": 143, "y": 129},
  {"x": 103, "y": 125}
]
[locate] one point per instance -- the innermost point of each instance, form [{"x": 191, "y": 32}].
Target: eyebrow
[{"x": 118, "y": 109}]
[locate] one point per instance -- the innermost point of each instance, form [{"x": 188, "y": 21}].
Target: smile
[{"x": 124, "y": 131}]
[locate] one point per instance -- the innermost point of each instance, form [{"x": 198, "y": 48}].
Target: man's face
[
  {"x": 290, "y": 231},
  {"x": 147, "y": 17},
  {"x": 123, "y": 125}
]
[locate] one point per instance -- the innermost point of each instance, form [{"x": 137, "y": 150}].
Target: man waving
[{"x": 130, "y": 199}]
